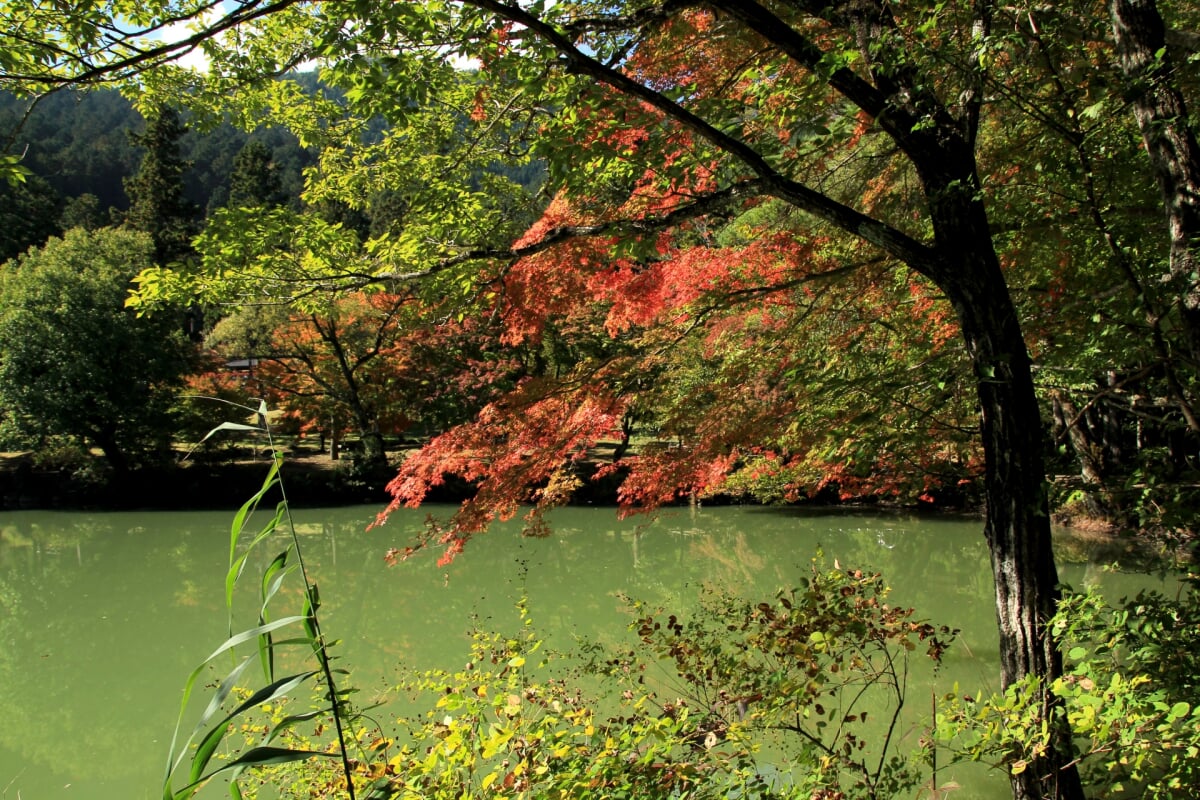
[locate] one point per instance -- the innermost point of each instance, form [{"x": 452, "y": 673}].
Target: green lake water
[{"x": 103, "y": 615}]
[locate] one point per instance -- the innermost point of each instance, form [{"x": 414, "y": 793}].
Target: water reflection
[{"x": 102, "y": 616}]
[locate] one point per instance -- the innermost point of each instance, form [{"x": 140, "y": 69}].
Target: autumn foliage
[{"x": 731, "y": 355}]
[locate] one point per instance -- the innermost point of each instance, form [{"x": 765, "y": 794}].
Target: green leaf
[
  {"x": 12, "y": 170},
  {"x": 255, "y": 757},
  {"x": 176, "y": 753},
  {"x": 293, "y": 720},
  {"x": 239, "y": 522},
  {"x": 272, "y": 579},
  {"x": 209, "y": 743},
  {"x": 1093, "y": 111}
]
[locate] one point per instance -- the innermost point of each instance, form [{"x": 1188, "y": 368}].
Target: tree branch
[
  {"x": 124, "y": 66},
  {"x": 919, "y": 256}
]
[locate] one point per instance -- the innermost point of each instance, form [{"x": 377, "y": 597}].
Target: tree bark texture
[
  {"x": 1017, "y": 520},
  {"x": 1158, "y": 106}
]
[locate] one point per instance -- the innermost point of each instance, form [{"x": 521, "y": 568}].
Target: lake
[{"x": 103, "y": 615}]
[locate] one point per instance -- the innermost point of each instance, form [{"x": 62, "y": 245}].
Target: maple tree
[
  {"x": 679, "y": 112},
  {"x": 664, "y": 127},
  {"x": 336, "y": 362},
  {"x": 377, "y": 363}
]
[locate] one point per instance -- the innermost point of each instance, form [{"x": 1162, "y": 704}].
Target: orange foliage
[
  {"x": 508, "y": 449},
  {"x": 741, "y": 326}
]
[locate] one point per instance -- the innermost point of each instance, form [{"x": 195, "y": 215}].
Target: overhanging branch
[{"x": 896, "y": 243}]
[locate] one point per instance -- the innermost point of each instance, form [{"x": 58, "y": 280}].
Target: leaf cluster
[
  {"x": 1130, "y": 695},
  {"x": 802, "y": 671},
  {"x": 755, "y": 700}
]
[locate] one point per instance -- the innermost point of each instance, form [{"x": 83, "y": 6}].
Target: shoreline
[{"x": 312, "y": 480}]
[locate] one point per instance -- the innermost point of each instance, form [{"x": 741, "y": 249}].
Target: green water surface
[{"x": 103, "y": 615}]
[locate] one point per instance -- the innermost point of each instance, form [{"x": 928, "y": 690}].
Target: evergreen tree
[
  {"x": 82, "y": 212},
  {"x": 157, "y": 205},
  {"x": 254, "y": 181},
  {"x": 28, "y": 214}
]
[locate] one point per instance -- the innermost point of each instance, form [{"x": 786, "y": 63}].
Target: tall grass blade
[
  {"x": 232, "y": 426},
  {"x": 208, "y": 745},
  {"x": 238, "y": 565},
  {"x": 272, "y": 580},
  {"x": 292, "y": 721},
  {"x": 266, "y": 654},
  {"x": 312, "y": 602},
  {"x": 255, "y": 757},
  {"x": 277, "y": 565},
  {"x": 239, "y": 522},
  {"x": 221, "y": 695}
]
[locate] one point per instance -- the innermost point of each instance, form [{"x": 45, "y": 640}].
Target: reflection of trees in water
[
  {"x": 90, "y": 655},
  {"x": 738, "y": 561},
  {"x": 39, "y": 562},
  {"x": 125, "y": 605}
]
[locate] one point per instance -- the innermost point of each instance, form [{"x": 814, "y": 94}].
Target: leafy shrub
[
  {"x": 1132, "y": 697},
  {"x": 760, "y": 700}
]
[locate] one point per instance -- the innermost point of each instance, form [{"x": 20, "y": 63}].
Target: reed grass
[{"x": 190, "y": 759}]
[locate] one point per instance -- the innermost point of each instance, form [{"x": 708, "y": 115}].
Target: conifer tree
[
  {"x": 28, "y": 211},
  {"x": 157, "y": 205},
  {"x": 254, "y": 181}
]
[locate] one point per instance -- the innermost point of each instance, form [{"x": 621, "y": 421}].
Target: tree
[
  {"x": 75, "y": 361},
  {"x": 1162, "y": 117},
  {"x": 82, "y": 212},
  {"x": 255, "y": 178},
  {"x": 77, "y": 141},
  {"x": 1071, "y": 189},
  {"x": 338, "y": 362},
  {"x": 369, "y": 359},
  {"x": 28, "y": 216},
  {"x": 659, "y": 123},
  {"x": 156, "y": 202},
  {"x": 714, "y": 133}
]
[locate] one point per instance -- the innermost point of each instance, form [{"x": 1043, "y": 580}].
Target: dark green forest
[{"x": 79, "y": 147}]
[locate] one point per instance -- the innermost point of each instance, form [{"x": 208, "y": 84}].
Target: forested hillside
[
  {"x": 78, "y": 147},
  {"x": 94, "y": 169}
]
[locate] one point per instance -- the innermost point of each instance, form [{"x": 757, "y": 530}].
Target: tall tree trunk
[
  {"x": 1017, "y": 519},
  {"x": 374, "y": 449},
  {"x": 117, "y": 459},
  {"x": 1161, "y": 114},
  {"x": 1017, "y": 527}
]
